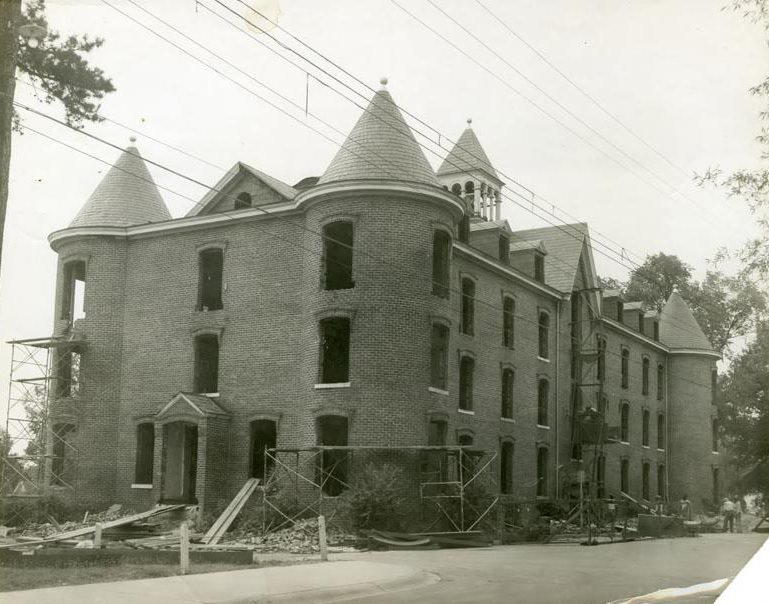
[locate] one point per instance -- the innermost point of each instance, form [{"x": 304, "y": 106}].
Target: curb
[{"x": 345, "y": 592}]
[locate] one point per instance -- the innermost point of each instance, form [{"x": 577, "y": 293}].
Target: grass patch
[{"x": 12, "y": 579}]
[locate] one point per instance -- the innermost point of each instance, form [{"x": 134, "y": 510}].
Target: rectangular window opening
[
  {"x": 211, "y": 266},
  {"x": 506, "y": 468},
  {"x": 439, "y": 351},
  {"x": 504, "y": 249},
  {"x": 207, "y": 364},
  {"x": 468, "y": 307},
  {"x": 145, "y": 453},
  {"x": 263, "y": 436},
  {"x": 544, "y": 335},
  {"x": 645, "y": 428},
  {"x": 542, "y": 478},
  {"x": 338, "y": 255},
  {"x": 441, "y": 263},
  {"x": 333, "y": 431},
  {"x": 508, "y": 381},
  {"x": 73, "y": 292},
  {"x": 539, "y": 268},
  {"x": 661, "y": 431},
  {"x": 63, "y": 453},
  {"x": 335, "y": 350},
  {"x": 543, "y": 396},
  {"x": 466, "y": 368},
  {"x": 624, "y": 475},
  {"x": 508, "y": 323}
]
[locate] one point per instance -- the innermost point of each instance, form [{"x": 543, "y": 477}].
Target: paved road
[{"x": 568, "y": 573}]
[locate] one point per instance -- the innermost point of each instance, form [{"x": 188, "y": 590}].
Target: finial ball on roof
[
  {"x": 469, "y": 121},
  {"x": 383, "y": 81},
  {"x": 132, "y": 139}
]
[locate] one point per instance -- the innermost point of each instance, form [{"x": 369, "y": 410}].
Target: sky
[{"x": 670, "y": 82}]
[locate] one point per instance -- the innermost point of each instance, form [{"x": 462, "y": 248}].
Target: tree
[
  {"x": 58, "y": 67},
  {"x": 744, "y": 412},
  {"x": 654, "y": 280}
]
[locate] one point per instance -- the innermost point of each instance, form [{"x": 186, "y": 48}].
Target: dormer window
[
  {"x": 640, "y": 323},
  {"x": 504, "y": 249},
  {"x": 620, "y": 310},
  {"x": 243, "y": 200},
  {"x": 539, "y": 268}
]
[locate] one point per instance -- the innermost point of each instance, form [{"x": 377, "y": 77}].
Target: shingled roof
[
  {"x": 679, "y": 328},
  {"x": 126, "y": 196},
  {"x": 380, "y": 146},
  {"x": 564, "y": 247},
  {"x": 467, "y": 155}
]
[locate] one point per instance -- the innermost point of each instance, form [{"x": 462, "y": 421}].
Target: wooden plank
[
  {"x": 220, "y": 526},
  {"x": 81, "y": 532}
]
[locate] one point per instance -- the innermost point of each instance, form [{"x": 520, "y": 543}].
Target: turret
[{"x": 694, "y": 466}]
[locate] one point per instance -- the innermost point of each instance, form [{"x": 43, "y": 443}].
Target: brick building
[{"x": 380, "y": 304}]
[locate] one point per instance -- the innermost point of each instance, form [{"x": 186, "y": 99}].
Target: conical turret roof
[
  {"x": 467, "y": 155},
  {"x": 126, "y": 196},
  {"x": 380, "y": 146},
  {"x": 679, "y": 328}
]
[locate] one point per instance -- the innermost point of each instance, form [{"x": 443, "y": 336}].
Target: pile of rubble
[
  {"x": 47, "y": 529},
  {"x": 301, "y": 538}
]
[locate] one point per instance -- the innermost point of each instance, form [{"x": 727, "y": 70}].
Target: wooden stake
[
  {"x": 97, "y": 535},
  {"x": 184, "y": 548},
  {"x": 322, "y": 538}
]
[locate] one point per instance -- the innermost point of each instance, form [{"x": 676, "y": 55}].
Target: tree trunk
[{"x": 10, "y": 11}]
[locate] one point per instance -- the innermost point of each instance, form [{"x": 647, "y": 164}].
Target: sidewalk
[{"x": 306, "y": 583}]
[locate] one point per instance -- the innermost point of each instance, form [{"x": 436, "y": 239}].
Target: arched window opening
[
  {"x": 506, "y": 468},
  {"x": 332, "y": 431},
  {"x": 542, "y": 471},
  {"x": 543, "y": 396},
  {"x": 625, "y": 423},
  {"x": 508, "y": 323},
  {"x": 468, "y": 307},
  {"x": 466, "y": 369},
  {"x": 508, "y": 379},
  {"x": 544, "y": 335},
  {"x": 441, "y": 263},
  {"x": 243, "y": 200},
  {"x": 338, "y": 255}
]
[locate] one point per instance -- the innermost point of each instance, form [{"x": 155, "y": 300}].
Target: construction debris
[{"x": 224, "y": 521}]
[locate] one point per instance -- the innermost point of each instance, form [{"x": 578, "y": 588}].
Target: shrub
[{"x": 375, "y": 499}]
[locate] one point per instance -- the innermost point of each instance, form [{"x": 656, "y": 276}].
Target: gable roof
[
  {"x": 564, "y": 244},
  {"x": 126, "y": 196},
  {"x": 380, "y": 146},
  {"x": 679, "y": 328},
  {"x": 212, "y": 196},
  {"x": 467, "y": 155},
  {"x": 197, "y": 404}
]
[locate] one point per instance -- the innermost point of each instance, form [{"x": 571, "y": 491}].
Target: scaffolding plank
[
  {"x": 218, "y": 528},
  {"x": 91, "y": 529}
]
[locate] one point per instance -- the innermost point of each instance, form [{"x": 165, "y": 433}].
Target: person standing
[
  {"x": 686, "y": 507},
  {"x": 727, "y": 509}
]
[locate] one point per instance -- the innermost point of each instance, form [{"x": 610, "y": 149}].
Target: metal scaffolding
[
  {"x": 451, "y": 489},
  {"x": 44, "y": 387}
]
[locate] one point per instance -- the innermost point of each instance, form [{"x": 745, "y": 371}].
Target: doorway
[{"x": 180, "y": 460}]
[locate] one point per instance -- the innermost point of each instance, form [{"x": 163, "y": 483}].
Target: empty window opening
[
  {"x": 600, "y": 470},
  {"x": 435, "y": 463},
  {"x": 145, "y": 453},
  {"x": 456, "y": 188},
  {"x": 504, "y": 249},
  {"x": 335, "y": 350},
  {"x": 508, "y": 323},
  {"x": 661, "y": 490},
  {"x": 539, "y": 268},
  {"x": 640, "y": 322},
  {"x": 645, "y": 481},
  {"x": 466, "y": 369},
  {"x": 439, "y": 355},
  {"x": 68, "y": 383},
  {"x": 243, "y": 200},
  {"x": 332, "y": 431},
  {"x": 624, "y": 423},
  {"x": 661, "y": 431},
  {"x": 337, "y": 255},
  {"x": 645, "y": 376},
  {"x": 656, "y": 330},
  {"x": 620, "y": 310},
  {"x": 714, "y": 428},
  {"x": 625, "y": 367},
  {"x": 441, "y": 263},
  {"x": 624, "y": 475},
  {"x": 468, "y": 306},
  {"x": 63, "y": 452},
  {"x": 207, "y": 363},
  {"x": 470, "y": 191},
  {"x": 660, "y": 381},
  {"x": 716, "y": 487},
  {"x": 506, "y": 468},
  {"x": 263, "y": 436},
  {"x": 542, "y": 478},
  {"x": 211, "y": 265},
  {"x": 508, "y": 381},
  {"x": 714, "y": 386},
  {"x": 645, "y": 427},
  {"x": 544, "y": 335},
  {"x": 73, "y": 292},
  {"x": 543, "y": 396},
  {"x": 601, "y": 363}
]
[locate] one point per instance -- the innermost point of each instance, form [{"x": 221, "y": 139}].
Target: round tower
[
  {"x": 378, "y": 225},
  {"x": 693, "y": 460},
  {"x": 84, "y": 394}
]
